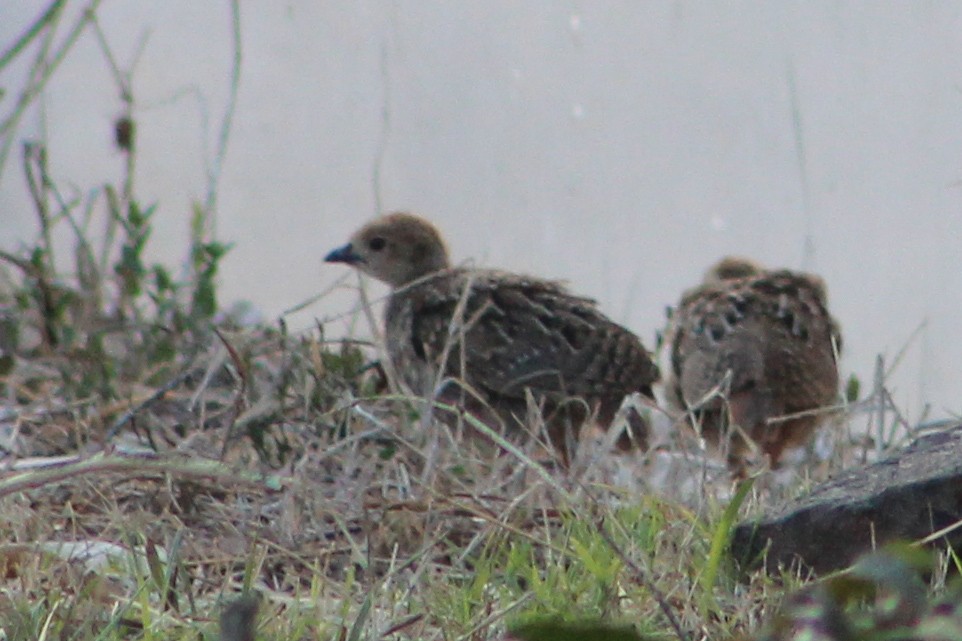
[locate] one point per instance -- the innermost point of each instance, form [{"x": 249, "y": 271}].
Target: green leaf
[
  {"x": 852, "y": 388},
  {"x": 721, "y": 538},
  {"x": 204, "y": 303}
]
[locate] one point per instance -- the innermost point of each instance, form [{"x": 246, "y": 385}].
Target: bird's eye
[{"x": 376, "y": 244}]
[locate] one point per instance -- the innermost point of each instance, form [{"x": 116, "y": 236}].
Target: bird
[
  {"x": 753, "y": 358},
  {"x": 495, "y": 340}
]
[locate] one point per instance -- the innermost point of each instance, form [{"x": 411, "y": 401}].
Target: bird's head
[
  {"x": 395, "y": 248},
  {"x": 732, "y": 268}
]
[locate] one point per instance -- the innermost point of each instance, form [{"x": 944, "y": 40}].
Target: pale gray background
[{"x": 622, "y": 146}]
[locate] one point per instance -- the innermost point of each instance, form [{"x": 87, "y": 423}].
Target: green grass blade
[{"x": 721, "y": 539}]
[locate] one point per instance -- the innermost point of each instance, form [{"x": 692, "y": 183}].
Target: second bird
[
  {"x": 496, "y": 337},
  {"x": 756, "y": 350}
]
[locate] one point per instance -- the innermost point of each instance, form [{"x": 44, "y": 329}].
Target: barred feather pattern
[
  {"x": 502, "y": 334},
  {"x": 766, "y": 338},
  {"x": 490, "y": 340}
]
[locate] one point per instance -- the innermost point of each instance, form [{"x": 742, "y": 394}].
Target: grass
[
  {"x": 301, "y": 486},
  {"x": 162, "y": 459}
]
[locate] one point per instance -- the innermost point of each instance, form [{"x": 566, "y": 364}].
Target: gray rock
[{"x": 907, "y": 496}]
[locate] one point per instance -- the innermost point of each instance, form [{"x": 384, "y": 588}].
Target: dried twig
[
  {"x": 153, "y": 398},
  {"x": 136, "y": 466}
]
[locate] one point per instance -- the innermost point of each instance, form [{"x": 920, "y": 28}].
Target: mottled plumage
[
  {"x": 766, "y": 340},
  {"x": 500, "y": 335}
]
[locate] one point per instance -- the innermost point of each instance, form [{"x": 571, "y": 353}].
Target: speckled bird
[
  {"x": 764, "y": 341},
  {"x": 501, "y": 336}
]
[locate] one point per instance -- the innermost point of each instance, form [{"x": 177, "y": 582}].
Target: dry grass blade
[
  {"x": 645, "y": 579},
  {"x": 133, "y": 466},
  {"x": 157, "y": 394}
]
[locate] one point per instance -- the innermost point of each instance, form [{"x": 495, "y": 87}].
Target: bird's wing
[
  {"x": 512, "y": 333},
  {"x": 764, "y": 332}
]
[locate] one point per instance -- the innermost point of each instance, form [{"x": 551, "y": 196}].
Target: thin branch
[
  {"x": 125, "y": 127},
  {"x": 385, "y": 132},
  {"x": 645, "y": 580},
  {"x": 122, "y": 79},
  {"x": 48, "y": 17},
  {"x": 382, "y": 138},
  {"x": 43, "y": 69},
  {"x": 136, "y": 465},
  {"x": 35, "y": 169},
  {"x": 808, "y": 255},
  {"x": 217, "y": 164},
  {"x": 159, "y": 393}
]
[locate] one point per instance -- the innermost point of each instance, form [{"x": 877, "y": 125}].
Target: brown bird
[
  {"x": 748, "y": 347},
  {"x": 496, "y": 337}
]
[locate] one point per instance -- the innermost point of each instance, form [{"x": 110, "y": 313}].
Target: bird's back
[
  {"x": 767, "y": 342},
  {"x": 505, "y": 333}
]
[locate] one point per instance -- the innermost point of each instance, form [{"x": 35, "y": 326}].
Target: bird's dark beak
[{"x": 345, "y": 254}]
